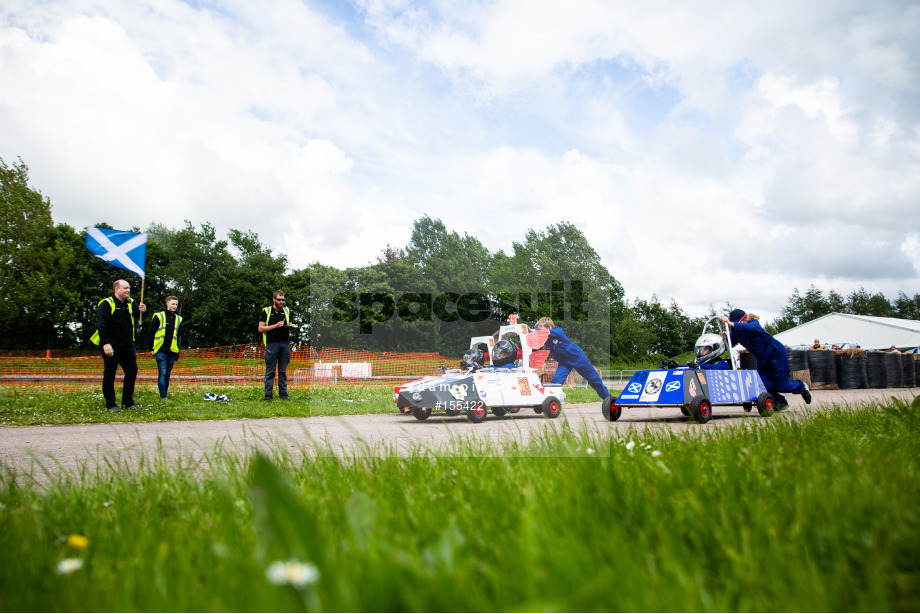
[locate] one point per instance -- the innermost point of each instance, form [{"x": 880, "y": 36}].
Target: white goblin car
[{"x": 496, "y": 385}]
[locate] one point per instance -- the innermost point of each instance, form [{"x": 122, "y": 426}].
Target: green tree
[
  {"x": 556, "y": 272},
  {"x": 35, "y": 260},
  {"x": 835, "y": 302},
  {"x": 629, "y": 339},
  {"x": 664, "y": 327},
  {"x": 859, "y": 302},
  {"x": 880, "y": 306},
  {"x": 907, "y": 308},
  {"x": 325, "y": 283},
  {"x": 449, "y": 264},
  {"x": 800, "y": 309},
  {"x": 814, "y": 305},
  {"x": 296, "y": 286},
  {"x": 257, "y": 274},
  {"x": 221, "y": 284}
]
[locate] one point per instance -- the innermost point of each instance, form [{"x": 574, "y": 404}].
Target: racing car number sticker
[{"x": 653, "y": 386}]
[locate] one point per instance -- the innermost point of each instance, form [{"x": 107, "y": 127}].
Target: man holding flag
[
  {"x": 115, "y": 315},
  {"x": 116, "y": 324}
]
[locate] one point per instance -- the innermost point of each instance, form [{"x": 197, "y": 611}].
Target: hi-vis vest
[
  {"x": 95, "y": 338},
  {"x": 160, "y": 335},
  {"x": 268, "y": 316}
]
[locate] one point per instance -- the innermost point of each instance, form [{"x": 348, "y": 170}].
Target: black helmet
[
  {"x": 504, "y": 353},
  {"x": 709, "y": 348},
  {"x": 470, "y": 357}
]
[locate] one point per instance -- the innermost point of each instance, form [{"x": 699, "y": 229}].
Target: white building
[{"x": 868, "y": 332}]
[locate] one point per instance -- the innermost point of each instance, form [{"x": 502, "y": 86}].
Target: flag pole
[{"x": 141, "y": 318}]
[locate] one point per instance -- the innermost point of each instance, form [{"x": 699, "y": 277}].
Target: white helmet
[{"x": 709, "y": 348}]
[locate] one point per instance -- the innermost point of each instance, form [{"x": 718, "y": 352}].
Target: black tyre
[
  {"x": 499, "y": 411},
  {"x": 610, "y": 410},
  {"x": 701, "y": 409},
  {"x": 421, "y": 413},
  {"x": 406, "y": 409},
  {"x": 538, "y": 409},
  {"x": 551, "y": 407},
  {"x": 452, "y": 412},
  {"x": 685, "y": 410},
  {"x": 747, "y": 407},
  {"x": 476, "y": 412},
  {"x": 765, "y": 404}
]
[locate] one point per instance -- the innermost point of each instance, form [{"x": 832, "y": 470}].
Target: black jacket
[{"x": 115, "y": 327}]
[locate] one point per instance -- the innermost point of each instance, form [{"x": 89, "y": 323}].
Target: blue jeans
[
  {"x": 277, "y": 353},
  {"x": 165, "y": 362}
]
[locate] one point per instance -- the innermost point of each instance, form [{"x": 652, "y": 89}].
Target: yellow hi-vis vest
[
  {"x": 160, "y": 335},
  {"x": 95, "y": 338},
  {"x": 268, "y": 316}
]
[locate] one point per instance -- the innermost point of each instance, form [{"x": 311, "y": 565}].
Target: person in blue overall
[
  {"x": 570, "y": 356},
  {"x": 772, "y": 359}
]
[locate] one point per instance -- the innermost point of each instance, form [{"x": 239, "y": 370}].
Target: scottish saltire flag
[{"x": 126, "y": 250}]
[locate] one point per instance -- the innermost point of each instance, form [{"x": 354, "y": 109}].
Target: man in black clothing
[
  {"x": 163, "y": 337},
  {"x": 275, "y": 324},
  {"x": 116, "y": 327}
]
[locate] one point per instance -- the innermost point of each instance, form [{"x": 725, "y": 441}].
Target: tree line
[
  {"x": 801, "y": 308},
  {"x": 430, "y": 295}
]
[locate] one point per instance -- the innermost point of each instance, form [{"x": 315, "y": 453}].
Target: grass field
[
  {"x": 817, "y": 515},
  {"x": 89, "y": 407}
]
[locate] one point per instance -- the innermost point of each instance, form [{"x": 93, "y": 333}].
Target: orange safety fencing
[{"x": 236, "y": 365}]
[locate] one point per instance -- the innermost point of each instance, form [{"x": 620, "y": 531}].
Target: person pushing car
[
  {"x": 570, "y": 356},
  {"x": 771, "y": 355}
]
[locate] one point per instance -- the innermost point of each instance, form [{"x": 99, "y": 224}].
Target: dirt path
[{"x": 50, "y": 450}]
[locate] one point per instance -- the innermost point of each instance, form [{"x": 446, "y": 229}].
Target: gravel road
[{"x": 65, "y": 449}]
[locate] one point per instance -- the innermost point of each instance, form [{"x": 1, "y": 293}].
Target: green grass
[
  {"x": 779, "y": 515},
  {"x": 89, "y": 407}
]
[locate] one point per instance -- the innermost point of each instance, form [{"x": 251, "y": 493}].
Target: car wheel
[
  {"x": 765, "y": 404},
  {"x": 452, "y": 412},
  {"x": 610, "y": 410},
  {"x": 701, "y": 409},
  {"x": 421, "y": 413},
  {"x": 499, "y": 411},
  {"x": 477, "y": 412},
  {"x": 685, "y": 410},
  {"x": 747, "y": 407},
  {"x": 551, "y": 407}
]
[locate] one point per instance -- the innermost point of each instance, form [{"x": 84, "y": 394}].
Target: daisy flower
[
  {"x": 292, "y": 572},
  {"x": 68, "y": 566}
]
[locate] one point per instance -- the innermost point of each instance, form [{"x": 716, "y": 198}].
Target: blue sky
[{"x": 710, "y": 151}]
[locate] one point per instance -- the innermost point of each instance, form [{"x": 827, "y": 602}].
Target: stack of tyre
[
  {"x": 822, "y": 365},
  {"x": 854, "y": 369}
]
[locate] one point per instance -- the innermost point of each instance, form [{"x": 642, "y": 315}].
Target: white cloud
[{"x": 700, "y": 148}]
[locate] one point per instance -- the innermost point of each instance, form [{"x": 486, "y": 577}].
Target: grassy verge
[
  {"x": 818, "y": 515},
  {"x": 89, "y": 407}
]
